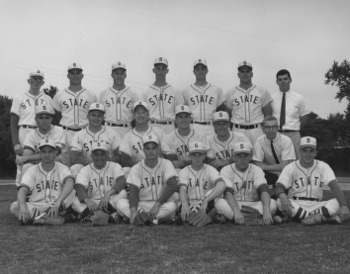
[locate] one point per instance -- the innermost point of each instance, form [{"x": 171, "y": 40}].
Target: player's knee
[
  {"x": 14, "y": 208},
  {"x": 123, "y": 207},
  {"x": 332, "y": 206},
  {"x": 273, "y": 207}
]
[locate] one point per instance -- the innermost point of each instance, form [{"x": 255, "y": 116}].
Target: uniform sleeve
[
  {"x": 228, "y": 97},
  {"x": 125, "y": 145},
  {"x": 286, "y": 176},
  {"x": 266, "y": 97},
  {"x": 303, "y": 110},
  {"x": 56, "y": 102},
  {"x": 226, "y": 174},
  {"x": 84, "y": 176},
  {"x": 220, "y": 97},
  {"x": 210, "y": 152},
  {"x": 214, "y": 175},
  {"x": 288, "y": 152},
  {"x": 134, "y": 177},
  {"x": 29, "y": 177},
  {"x": 64, "y": 173},
  {"x": 60, "y": 137},
  {"x": 185, "y": 96},
  {"x": 259, "y": 176},
  {"x": 29, "y": 141},
  {"x": 169, "y": 170},
  {"x": 258, "y": 151},
  {"x": 183, "y": 177},
  {"x": 179, "y": 100},
  {"x": 117, "y": 170},
  {"x": 165, "y": 144},
  {"x": 328, "y": 174},
  {"x": 16, "y": 106}
]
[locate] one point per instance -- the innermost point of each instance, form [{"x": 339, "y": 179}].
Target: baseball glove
[
  {"x": 199, "y": 219},
  {"x": 251, "y": 216},
  {"x": 99, "y": 218},
  {"x": 59, "y": 220},
  {"x": 142, "y": 218}
]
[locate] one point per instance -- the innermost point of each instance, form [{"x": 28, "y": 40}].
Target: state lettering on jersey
[
  {"x": 53, "y": 185},
  {"x": 153, "y": 180},
  {"x": 74, "y": 102},
  {"x": 27, "y": 103},
  {"x": 197, "y": 99},
  {"x": 138, "y": 147},
  {"x": 246, "y": 99},
  {"x": 120, "y": 100},
  {"x": 182, "y": 150},
  {"x": 161, "y": 97},
  {"x": 300, "y": 183},
  {"x": 224, "y": 154}
]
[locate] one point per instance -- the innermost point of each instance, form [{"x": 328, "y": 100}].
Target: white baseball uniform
[
  {"x": 246, "y": 109},
  {"x": 203, "y": 102}
]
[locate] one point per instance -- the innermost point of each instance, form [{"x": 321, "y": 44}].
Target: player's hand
[
  {"x": 286, "y": 205},
  {"x": 91, "y": 204},
  {"x": 185, "y": 212},
  {"x": 203, "y": 207},
  {"x": 53, "y": 211},
  {"x": 219, "y": 163},
  {"x": 267, "y": 218},
  {"x": 239, "y": 219},
  {"x": 104, "y": 202},
  {"x": 20, "y": 160},
  {"x": 24, "y": 215},
  {"x": 154, "y": 210},
  {"x": 344, "y": 213},
  {"x": 133, "y": 214},
  {"x": 18, "y": 149}
]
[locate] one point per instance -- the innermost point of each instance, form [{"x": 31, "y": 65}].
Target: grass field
[{"x": 289, "y": 248}]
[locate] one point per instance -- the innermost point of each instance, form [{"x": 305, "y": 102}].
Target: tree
[{"x": 52, "y": 92}]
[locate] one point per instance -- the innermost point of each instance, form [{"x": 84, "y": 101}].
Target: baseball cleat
[
  {"x": 314, "y": 219},
  {"x": 334, "y": 220},
  {"x": 220, "y": 219}
]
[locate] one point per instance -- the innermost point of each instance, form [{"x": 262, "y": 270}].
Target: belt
[
  {"x": 305, "y": 199},
  {"x": 117, "y": 125},
  {"x": 247, "y": 127},
  {"x": 201, "y": 123},
  {"x": 72, "y": 129},
  {"x": 287, "y": 130},
  {"x": 162, "y": 122},
  {"x": 28, "y": 126}
]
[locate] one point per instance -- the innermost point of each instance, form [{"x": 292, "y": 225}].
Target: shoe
[
  {"x": 336, "y": 220},
  {"x": 277, "y": 220},
  {"x": 115, "y": 218},
  {"x": 220, "y": 219},
  {"x": 314, "y": 219}
]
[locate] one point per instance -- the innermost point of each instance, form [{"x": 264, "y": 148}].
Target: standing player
[
  {"x": 23, "y": 113},
  {"x": 162, "y": 98},
  {"x": 175, "y": 145},
  {"x": 118, "y": 101},
  {"x": 304, "y": 179},
  {"x": 74, "y": 102},
  {"x": 152, "y": 182},
  {"x": 248, "y": 103},
  {"x": 296, "y": 112},
  {"x": 245, "y": 183},
  {"x": 80, "y": 152},
  {"x": 221, "y": 144},
  {"x": 45, "y": 189},
  {"x": 200, "y": 184},
  {"x": 203, "y": 99}
]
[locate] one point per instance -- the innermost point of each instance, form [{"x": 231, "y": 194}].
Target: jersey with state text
[
  {"x": 45, "y": 186},
  {"x": 118, "y": 104},
  {"x": 306, "y": 182},
  {"x": 74, "y": 107},
  {"x": 83, "y": 140},
  {"x": 162, "y": 102},
  {"x": 174, "y": 143},
  {"x": 203, "y": 101},
  {"x": 224, "y": 150},
  {"x": 25, "y": 105},
  {"x": 98, "y": 181},
  {"x": 199, "y": 182},
  {"x": 246, "y": 105},
  {"x": 244, "y": 184},
  {"x": 151, "y": 182},
  {"x": 132, "y": 145}
]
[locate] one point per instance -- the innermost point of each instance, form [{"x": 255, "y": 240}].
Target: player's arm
[
  {"x": 15, "y": 134},
  {"x": 116, "y": 156},
  {"x": 185, "y": 205},
  {"x": 126, "y": 160},
  {"x": 267, "y": 109},
  {"x": 76, "y": 157},
  {"x": 339, "y": 195},
  {"x": 133, "y": 201},
  {"x": 280, "y": 191},
  {"x": 68, "y": 186},
  {"x": 218, "y": 190},
  {"x": 265, "y": 200},
  {"x": 82, "y": 195},
  {"x": 28, "y": 157},
  {"x": 175, "y": 161},
  {"x": 237, "y": 214},
  {"x": 24, "y": 214},
  {"x": 273, "y": 167}
]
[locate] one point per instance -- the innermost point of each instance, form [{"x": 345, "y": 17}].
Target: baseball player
[
  {"x": 80, "y": 152},
  {"x": 272, "y": 152},
  {"x": 175, "y": 145},
  {"x": 162, "y": 98},
  {"x": 248, "y": 104},
  {"x": 203, "y": 99},
  {"x": 221, "y": 144},
  {"x": 73, "y": 103},
  {"x": 131, "y": 147},
  {"x": 304, "y": 179},
  {"x": 118, "y": 101},
  {"x": 245, "y": 182},
  {"x": 200, "y": 184},
  {"x": 45, "y": 188},
  {"x": 23, "y": 113},
  {"x": 152, "y": 183},
  {"x": 43, "y": 117},
  {"x": 100, "y": 184}
]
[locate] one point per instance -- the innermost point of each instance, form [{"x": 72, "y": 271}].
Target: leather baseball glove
[
  {"x": 142, "y": 218},
  {"x": 251, "y": 216},
  {"x": 199, "y": 219},
  {"x": 99, "y": 218}
]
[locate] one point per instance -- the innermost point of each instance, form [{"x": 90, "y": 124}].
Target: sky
[{"x": 303, "y": 36}]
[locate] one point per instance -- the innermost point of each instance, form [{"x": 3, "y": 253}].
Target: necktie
[
  {"x": 274, "y": 153},
  {"x": 283, "y": 111}
]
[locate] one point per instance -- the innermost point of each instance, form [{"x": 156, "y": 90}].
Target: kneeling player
[
  {"x": 45, "y": 189},
  {"x": 99, "y": 185},
  {"x": 245, "y": 183},
  {"x": 304, "y": 180},
  {"x": 200, "y": 184},
  {"x": 152, "y": 183}
]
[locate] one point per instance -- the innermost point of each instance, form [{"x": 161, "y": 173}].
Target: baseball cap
[
  {"x": 37, "y": 73},
  {"x": 245, "y": 64},
  {"x": 150, "y": 138},
  {"x": 75, "y": 66},
  {"x": 99, "y": 145},
  {"x": 200, "y": 61},
  {"x": 118, "y": 65},
  {"x": 97, "y": 106},
  {"x": 141, "y": 103},
  {"x": 308, "y": 141},
  {"x": 41, "y": 109},
  {"x": 242, "y": 147},
  {"x": 161, "y": 60},
  {"x": 46, "y": 142},
  {"x": 221, "y": 116},
  {"x": 197, "y": 147},
  {"x": 182, "y": 109}
]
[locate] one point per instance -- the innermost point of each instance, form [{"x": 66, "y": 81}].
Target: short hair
[
  {"x": 270, "y": 118},
  {"x": 283, "y": 72}
]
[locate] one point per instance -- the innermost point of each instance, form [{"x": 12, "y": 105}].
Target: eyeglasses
[
  {"x": 271, "y": 127},
  {"x": 37, "y": 79}
]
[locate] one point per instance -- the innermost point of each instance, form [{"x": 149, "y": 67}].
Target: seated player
[
  {"x": 31, "y": 156},
  {"x": 45, "y": 190},
  {"x": 152, "y": 182},
  {"x": 304, "y": 180},
  {"x": 175, "y": 144},
  {"x": 222, "y": 142},
  {"x": 99, "y": 185},
  {"x": 80, "y": 152},
  {"x": 199, "y": 183},
  {"x": 272, "y": 152},
  {"x": 245, "y": 183},
  {"x": 131, "y": 148}
]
